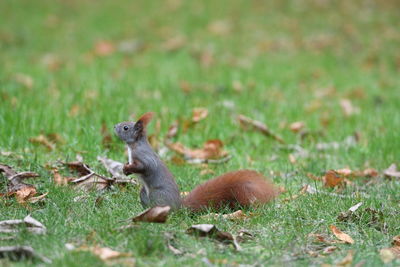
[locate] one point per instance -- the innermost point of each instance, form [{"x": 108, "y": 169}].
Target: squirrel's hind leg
[{"x": 144, "y": 198}]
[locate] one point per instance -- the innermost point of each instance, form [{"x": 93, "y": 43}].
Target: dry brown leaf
[
  {"x": 237, "y": 86},
  {"x": 341, "y": 235},
  {"x": 259, "y": 126},
  {"x": 396, "y": 241},
  {"x": 211, "y": 230},
  {"x": 348, "y": 108},
  {"x": 318, "y": 238},
  {"x": 220, "y": 27},
  {"x": 392, "y": 171},
  {"x": 74, "y": 111},
  {"x": 20, "y": 253},
  {"x": 37, "y": 199},
  {"x": 42, "y": 140},
  {"x": 212, "y": 149},
  {"x": 58, "y": 178},
  {"x": 31, "y": 224},
  {"x": 332, "y": 179},
  {"x": 296, "y": 126},
  {"x": 173, "y": 130},
  {"x": 206, "y": 171},
  {"x": 105, "y": 254},
  {"x": 292, "y": 159},
  {"x": 347, "y": 260},
  {"x": 329, "y": 249},
  {"x": 15, "y": 186},
  {"x": 389, "y": 254},
  {"x": 115, "y": 168},
  {"x": 174, "y": 43},
  {"x": 154, "y": 214},
  {"x": 81, "y": 168},
  {"x": 199, "y": 114},
  {"x": 185, "y": 86},
  {"x": 24, "y": 80},
  {"x": 25, "y": 193},
  {"x": 104, "y": 48},
  {"x": 205, "y": 57}
]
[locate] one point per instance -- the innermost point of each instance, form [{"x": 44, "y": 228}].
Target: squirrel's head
[{"x": 131, "y": 132}]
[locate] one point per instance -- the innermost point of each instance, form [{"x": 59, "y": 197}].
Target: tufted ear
[{"x": 145, "y": 118}]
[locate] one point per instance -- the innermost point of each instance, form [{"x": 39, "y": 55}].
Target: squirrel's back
[{"x": 243, "y": 187}]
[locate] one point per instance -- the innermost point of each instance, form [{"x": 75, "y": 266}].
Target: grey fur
[{"x": 157, "y": 179}]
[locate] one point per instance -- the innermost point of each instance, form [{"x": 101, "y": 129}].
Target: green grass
[{"x": 286, "y": 54}]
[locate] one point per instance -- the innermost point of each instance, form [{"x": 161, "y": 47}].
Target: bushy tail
[{"x": 244, "y": 187}]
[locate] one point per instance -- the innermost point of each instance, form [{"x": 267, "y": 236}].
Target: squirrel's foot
[{"x": 128, "y": 169}]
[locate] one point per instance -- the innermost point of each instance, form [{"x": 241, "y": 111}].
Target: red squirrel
[{"x": 243, "y": 187}]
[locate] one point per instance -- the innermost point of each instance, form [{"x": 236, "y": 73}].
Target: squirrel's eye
[{"x": 126, "y": 128}]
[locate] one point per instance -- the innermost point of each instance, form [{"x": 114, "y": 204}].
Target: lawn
[{"x": 73, "y": 68}]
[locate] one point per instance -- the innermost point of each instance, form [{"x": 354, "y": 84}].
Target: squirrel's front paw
[{"x": 128, "y": 169}]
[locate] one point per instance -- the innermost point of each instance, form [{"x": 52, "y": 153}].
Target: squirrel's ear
[{"x": 146, "y": 118}]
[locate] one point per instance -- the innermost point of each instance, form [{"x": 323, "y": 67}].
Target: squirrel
[{"x": 237, "y": 188}]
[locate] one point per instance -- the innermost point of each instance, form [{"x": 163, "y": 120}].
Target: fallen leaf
[
  {"x": 81, "y": 168},
  {"x": 115, "y": 168},
  {"x": 74, "y": 111},
  {"x": 24, "y": 80},
  {"x": 89, "y": 179},
  {"x": 392, "y": 171},
  {"x": 220, "y": 27},
  {"x": 131, "y": 46},
  {"x": 396, "y": 241},
  {"x": 387, "y": 255},
  {"x": 332, "y": 179},
  {"x": 185, "y": 86},
  {"x": 23, "y": 194},
  {"x": 292, "y": 159},
  {"x": 347, "y": 260},
  {"x": 30, "y": 224},
  {"x": 154, "y": 214},
  {"x": 329, "y": 249},
  {"x": 259, "y": 126},
  {"x": 42, "y": 140},
  {"x": 341, "y": 235},
  {"x": 211, "y": 231},
  {"x": 37, "y": 199},
  {"x": 19, "y": 253},
  {"x": 104, "y": 48},
  {"x": 206, "y": 171},
  {"x": 106, "y": 254},
  {"x": 174, "y": 43},
  {"x": 199, "y": 114},
  {"x": 296, "y": 126},
  {"x": 237, "y": 86},
  {"x": 172, "y": 130},
  {"x": 15, "y": 186},
  {"x": 212, "y": 149},
  {"x": 348, "y": 108},
  {"x": 58, "y": 178}
]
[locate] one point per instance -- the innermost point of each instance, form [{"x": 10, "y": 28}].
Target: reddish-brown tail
[{"x": 244, "y": 187}]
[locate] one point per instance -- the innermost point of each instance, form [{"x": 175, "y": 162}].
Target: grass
[{"x": 294, "y": 59}]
